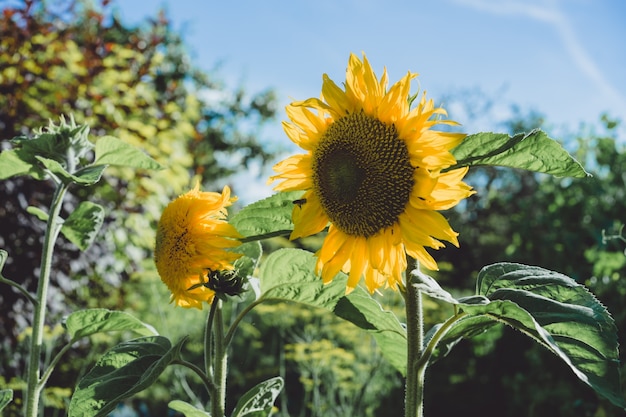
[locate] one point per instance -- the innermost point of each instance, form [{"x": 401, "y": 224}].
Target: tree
[{"x": 135, "y": 83}]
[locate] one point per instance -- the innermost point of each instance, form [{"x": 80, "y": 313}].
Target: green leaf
[
  {"x": 89, "y": 175},
  {"x": 83, "y": 225},
  {"x": 259, "y": 401},
  {"x": 289, "y": 274},
  {"x": 557, "y": 312},
  {"x": 56, "y": 169},
  {"x": 83, "y": 177},
  {"x": 4, "y": 255},
  {"x": 37, "y": 212},
  {"x": 12, "y": 163},
  {"x": 266, "y": 218},
  {"x": 187, "y": 409},
  {"x": 99, "y": 320},
  {"x": 65, "y": 143},
  {"x": 247, "y": 264},
  {"x": 534, "y": 151},
  {"x": 430, "y": 287},
  {"x": 123, "y": 371},
  {"x": 362, "y": 310},
  {"x": 6, "y": 396},
  {"x": 113, "y": 151}
]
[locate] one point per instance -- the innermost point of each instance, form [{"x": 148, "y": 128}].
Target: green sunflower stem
[
  {"x": 416, "y": 369},
  {"x": 53, "y": 227},
  {"x": 218, "y": 359}
]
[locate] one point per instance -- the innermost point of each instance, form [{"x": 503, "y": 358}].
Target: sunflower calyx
[{"x": 227, "y": 283}]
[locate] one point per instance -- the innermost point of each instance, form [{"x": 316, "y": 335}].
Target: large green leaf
[
  {"x": 99, "y": 320},
  {"x": 83, "y": 224},
  {"x": 123, "y": 371},
  {"x": 289, "y": 275},
  {"x": 113, "y": 151},
  {"x": 266, "y": 218},
  {"x": 534, "y": 151},
  {"x": 259, "y": 401},
  {"x": 553, "y": 309}
]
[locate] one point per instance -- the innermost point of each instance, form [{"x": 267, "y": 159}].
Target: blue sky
[
  {"x": 563, "y": 58},
  {"x": 566, "y": 59}
]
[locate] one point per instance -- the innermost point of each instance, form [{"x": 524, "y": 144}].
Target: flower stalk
[
  {"x": 416, "y": 369},
  {"x": 215, "y": 358},
  {"x": 35, "y": 383}
]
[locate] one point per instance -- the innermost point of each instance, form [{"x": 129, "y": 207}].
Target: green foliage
[
  {"x": 553, "y": 309},
  {"x": 533, "y": 151},
  {"x": 288, "y": 274},
  {"x": 123, "y": 371},
  {"x": 517, "y": 216},
  {"x": 82, "y": 226},
  {"x": 135, "y": 84},
  {"x": 84, "y": 323},
  {"x": 259, "y": 401},
  {"x": 110, "y": 150},
  {"x": 266, "y": 218}
]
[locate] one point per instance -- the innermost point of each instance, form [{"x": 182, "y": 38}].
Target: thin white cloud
[{"x": 549, "y": 12}]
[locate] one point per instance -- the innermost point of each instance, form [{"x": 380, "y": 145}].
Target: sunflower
[
  {"x": 191, "y": 242},
  {"x": 375, "y": 171}
]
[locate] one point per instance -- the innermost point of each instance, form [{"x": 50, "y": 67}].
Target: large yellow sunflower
[
  {"x": 373, "y": 170},
  {"x": 191, "y": 241}
]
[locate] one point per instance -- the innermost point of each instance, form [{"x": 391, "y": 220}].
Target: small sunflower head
[
  {"x": 225, "y": 284},
  {"x": 373, "y": 172},
  {"x": 193, "y": 237}
]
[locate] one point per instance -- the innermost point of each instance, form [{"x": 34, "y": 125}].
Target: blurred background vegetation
[{"x": 139, "y": 84}]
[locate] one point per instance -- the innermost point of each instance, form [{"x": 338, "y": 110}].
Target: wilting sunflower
[
  {"x": 373, "y": 169},
  {"x": 191, "y": 242}
]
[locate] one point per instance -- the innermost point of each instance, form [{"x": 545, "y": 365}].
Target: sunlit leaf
[
  {"x": 84, "y": 323},
  {"x": 289, "y": 275},
  {"x": 113, "y": 151},
  {"x": 12, "y": 164},
  {"x": 187, "y": 409},
  {"x": 83, "y": 225},
  {"x": 534, "y": 151},
  {"x": 123, "y": 371},
  {"x": 258, "y": 402},
  {"x": 268, "y": 217}
]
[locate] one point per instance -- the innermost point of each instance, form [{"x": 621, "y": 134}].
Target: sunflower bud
[{"x": 226, "y": 283}]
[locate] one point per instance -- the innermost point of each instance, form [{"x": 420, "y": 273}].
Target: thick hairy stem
[
  {"x": 414, "y": 396},
  {"x": 53, "y": 227},
  {"x": 218, "y": 402}
]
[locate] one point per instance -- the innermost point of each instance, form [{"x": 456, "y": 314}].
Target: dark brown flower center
[{"x": 362, "y": 174}]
